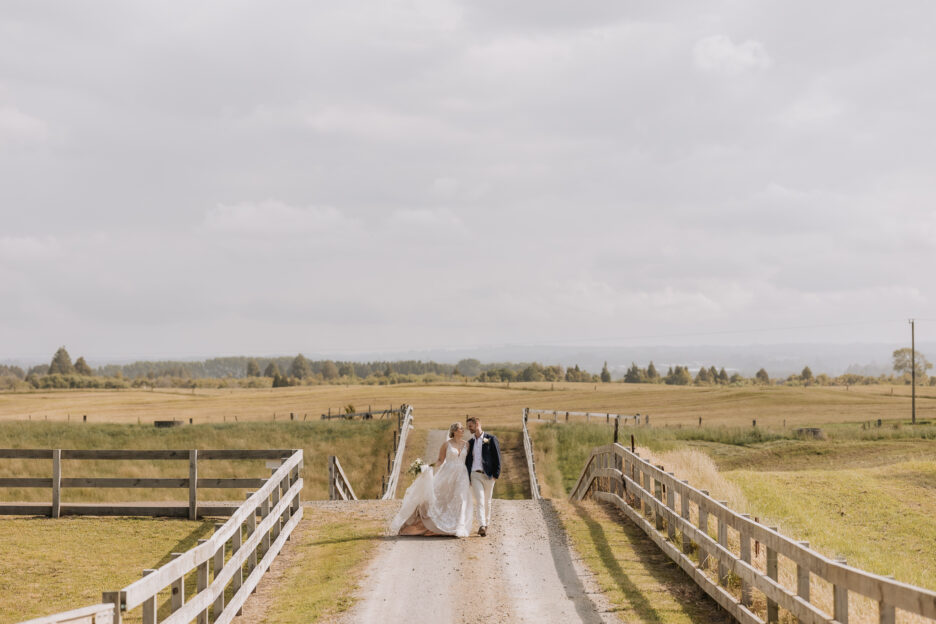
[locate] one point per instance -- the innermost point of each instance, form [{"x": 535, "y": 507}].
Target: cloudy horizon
[{"x": 260, "y": 178}]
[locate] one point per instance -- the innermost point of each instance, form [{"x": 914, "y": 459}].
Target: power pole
[{"x": 912, "y": 373}]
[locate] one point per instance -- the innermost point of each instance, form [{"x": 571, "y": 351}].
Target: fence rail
[
  {"x": 192, "y": 510},
  {"x": 339, "y": 487},
  {"x": 218, "y": 562},
  {"x": 103, "y": 613},
  {"x": 530, "y": 459},
  {"x": 624, "y": 419},
  {"x": 648, "y": 496},
  {"x": 393, "y": 479},
  {"x": 368, "y": 415}
]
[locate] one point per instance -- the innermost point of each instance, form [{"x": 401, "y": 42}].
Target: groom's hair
[{"x": 473, "y": 419}]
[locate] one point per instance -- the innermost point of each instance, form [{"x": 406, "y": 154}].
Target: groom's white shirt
[{"x": 476, "y": 463}]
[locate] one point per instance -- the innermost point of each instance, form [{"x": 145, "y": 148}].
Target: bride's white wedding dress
[{"x": 438, "y": 500}]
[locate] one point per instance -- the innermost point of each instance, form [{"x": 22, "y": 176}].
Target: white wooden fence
[
  {"x": 218, "y": 563},
  {"x": 662, "y": 506},
  {"x": 339, "y": 487},
  {"x": 530, "y": 459}
]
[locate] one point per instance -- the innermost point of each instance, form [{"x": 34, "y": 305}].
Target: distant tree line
[{"x": 258, "y": 372}]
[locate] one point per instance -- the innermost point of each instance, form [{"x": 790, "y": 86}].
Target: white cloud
[
  {"x": 15, "y": 249},
  {"x": 718, "y": 53},
  {"x": 275, "y": 218},
  {"x": 17, "y": 126}
]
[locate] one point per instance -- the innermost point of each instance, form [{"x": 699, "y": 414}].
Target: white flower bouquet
[{"x": 416, "y": 467}]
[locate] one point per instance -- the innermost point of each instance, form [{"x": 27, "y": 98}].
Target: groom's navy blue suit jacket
[{"x": 490, "y": 455}]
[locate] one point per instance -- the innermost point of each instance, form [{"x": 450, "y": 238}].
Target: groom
[{"x": 483, "y": 463}]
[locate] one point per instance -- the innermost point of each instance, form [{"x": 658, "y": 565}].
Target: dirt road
[{"x": 523, "y": 571}]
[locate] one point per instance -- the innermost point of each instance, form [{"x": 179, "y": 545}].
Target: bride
[{"x": 439, "y": 500}]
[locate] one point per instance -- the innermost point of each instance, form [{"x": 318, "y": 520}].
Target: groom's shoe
[{"x": 482, "y": 531}]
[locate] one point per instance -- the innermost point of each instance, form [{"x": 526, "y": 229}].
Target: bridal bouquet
[{"x": 416, "y": 467}]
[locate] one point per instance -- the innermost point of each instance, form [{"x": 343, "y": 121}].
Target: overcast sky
[{"x": 181, "y": 179}]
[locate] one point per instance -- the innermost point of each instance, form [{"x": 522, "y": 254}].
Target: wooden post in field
[
  {"x": 658, "y": 494},
  {"x": 671, "y": 504},
  {"x": 238, "y": 579},
  {"x": 201, "y": 584},
  {"x": 840, "y": 598},
  {"x": 887, "y": 614},
  {"x": 217, "y": 564},
  {"x": 193, "y": 485},
  {"x": 703, "y": 527},
  {"x": 264, "y": 512},
  {"x": 114, "y": 598},
  {"x": 149, "y": 605},
  {"x": 773, "y": 612},
  {"x": 802, "y": 578},
  {"x": 617, "y": 422},
  {"x": 251, "y": 528},
  {"x": 746, "y": 598},
  {"x": 273, "y": 503},
  {"x": 177, "y": 590},
  {"x": 684, "y": 514},
  {"x": 723, "y": 541},
  {"x": 56, "y": 483},
  {"x": 332, "y": 474}
]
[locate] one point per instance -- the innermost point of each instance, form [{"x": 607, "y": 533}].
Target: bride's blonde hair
[{"x": 455, "y": 427}]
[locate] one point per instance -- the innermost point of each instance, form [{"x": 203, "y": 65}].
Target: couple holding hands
[{"x": 441, "y": 499}]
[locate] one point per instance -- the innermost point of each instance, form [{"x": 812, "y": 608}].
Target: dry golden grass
[
  {"x": 438, "y": 405},
  {"x": 56, "y": 565}
]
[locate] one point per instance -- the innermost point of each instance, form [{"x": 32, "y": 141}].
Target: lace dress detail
[{"x": 440, "y": 497}]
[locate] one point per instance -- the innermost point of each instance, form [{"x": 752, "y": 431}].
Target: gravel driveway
[{"x": 523, "y": 571}]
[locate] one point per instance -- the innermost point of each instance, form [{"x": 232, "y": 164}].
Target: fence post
[
  {"x": 193, "y": 485},
  {"x": 114, "y": 598},
  {"x": 332, "y": 492},
  {"x": 274, "y": 503},
  {"x": 746, "y": 599},
  {"x": 177, "y": 589},
  {"x": 617, "y": 423},
  {"x": 887, "y": 614},
  {"x": 723, "y": 542},
  {"x": 684, "y": 513},
  {"x": 200, "y": 586},
  {"x": 658, "y": 494},
  {"x": 802, "y": 578},
  {"x": 217, "y": 564},
  {"x": 671, "y": 504},
  {"x": 773, "y": 612},
  {"x": 251, "y": 528},
  {"x": 238, "y": 579},
  {"x": 840, "y": 598},
  {"x": 149, "y": 605},
  {"x": 264, "y": 512},
  {"x": 703, "y": 526},
  {"x": 56, "y": 483}
]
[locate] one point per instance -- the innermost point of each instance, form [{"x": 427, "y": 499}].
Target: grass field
[
  {"x": 862, "y": 492},
  {"x": 436, "y": 406},
  {"x": 55, "y": 565}
]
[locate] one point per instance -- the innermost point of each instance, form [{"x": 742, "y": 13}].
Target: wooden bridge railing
[
  {"x": 95, "y": 614},
  {"x": 339, "y": 487},
  {"x": 530, "y": 459},
  {"x": 393, "y": 479},
  {"x": 56, "y": 482},
  {"x": 662, "y": 506},
  {"x": 217, "y": 562}
]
